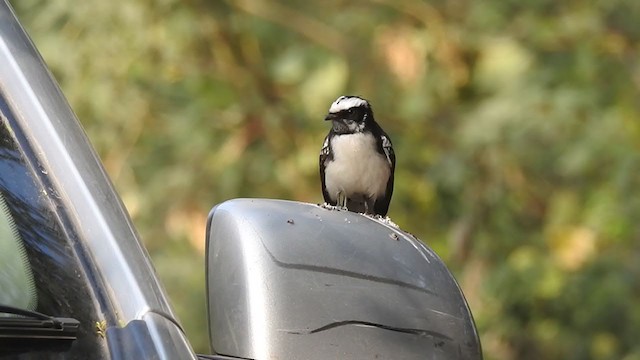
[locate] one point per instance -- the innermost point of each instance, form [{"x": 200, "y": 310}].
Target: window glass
[{"x": 16, "y": 278}]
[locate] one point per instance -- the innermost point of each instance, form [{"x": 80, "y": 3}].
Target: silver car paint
[{"x": 291, "y": 280}]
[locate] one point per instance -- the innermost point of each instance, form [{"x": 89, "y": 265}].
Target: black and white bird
[{"x": 357, "y": 159}]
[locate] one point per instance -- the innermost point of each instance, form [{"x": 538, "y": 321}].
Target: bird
[{"x": 357, "y": 161}]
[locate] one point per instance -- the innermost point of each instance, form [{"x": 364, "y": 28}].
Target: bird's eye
[{"x": 351, "y": 111}]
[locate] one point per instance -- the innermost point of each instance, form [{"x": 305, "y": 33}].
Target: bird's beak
[{"x": 331, "y": 116}]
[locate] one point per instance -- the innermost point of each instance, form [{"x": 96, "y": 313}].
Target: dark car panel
[{"x": 87, "y": 242}]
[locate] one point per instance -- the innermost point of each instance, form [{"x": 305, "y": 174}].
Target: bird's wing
[
  {"x": 325, "y": 154},
  {"x": 382, "y": 204},
  {"x": 388, "y": 151}
]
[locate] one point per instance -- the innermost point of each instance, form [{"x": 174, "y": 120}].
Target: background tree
[{"x": 516, "y": 127}]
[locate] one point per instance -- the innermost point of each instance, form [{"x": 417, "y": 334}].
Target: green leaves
[{"x": 515, "y": 127}]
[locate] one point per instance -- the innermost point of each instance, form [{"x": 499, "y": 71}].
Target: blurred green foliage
[{"x": 516, "y": 126}]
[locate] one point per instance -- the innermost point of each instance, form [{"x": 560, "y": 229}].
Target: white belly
[{"x": 357, "y": 168}]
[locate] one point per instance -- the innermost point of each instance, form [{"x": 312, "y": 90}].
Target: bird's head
[{"x": 350, "y": 114}]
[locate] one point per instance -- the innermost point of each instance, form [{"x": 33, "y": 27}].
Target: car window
[
  {"x": 41, "y": 263},
  {"x": 16, "y": 278}
]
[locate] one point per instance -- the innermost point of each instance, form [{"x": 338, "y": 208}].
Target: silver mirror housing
[{"x": 290, "y": 280}]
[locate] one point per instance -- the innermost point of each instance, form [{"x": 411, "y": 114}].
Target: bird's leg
[
  {"x": 342, "y": 200},
  {"x": 369, "y": 206}
]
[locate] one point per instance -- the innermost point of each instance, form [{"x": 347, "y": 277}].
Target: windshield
[{"x": 39, "y": 266}]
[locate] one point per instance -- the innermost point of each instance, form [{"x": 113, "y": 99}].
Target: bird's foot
[
  {"x": 332, "y": 207},
  {"x": 341, "y": 201}
]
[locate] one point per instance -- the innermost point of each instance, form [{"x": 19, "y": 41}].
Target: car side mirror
[{"x": 290, "y": 280}]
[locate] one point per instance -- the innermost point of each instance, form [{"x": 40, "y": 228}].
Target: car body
[{"x": 72, "y": 219}]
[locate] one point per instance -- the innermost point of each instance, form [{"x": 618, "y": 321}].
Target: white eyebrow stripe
[{"x": 345, "y": 103}]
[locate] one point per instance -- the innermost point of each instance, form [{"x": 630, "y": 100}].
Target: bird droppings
[
  {"x": 394, "y": 236},
  {"x": 290, "y": 221},
  {"x": 386, "y": 220}
]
